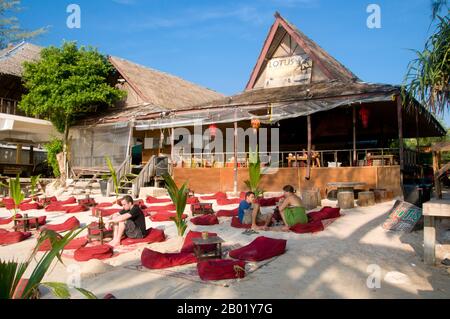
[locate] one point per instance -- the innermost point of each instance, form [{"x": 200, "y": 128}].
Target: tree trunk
[{"x": 64, "y": 172}]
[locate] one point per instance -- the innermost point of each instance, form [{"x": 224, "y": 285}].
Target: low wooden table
[
  {"x": 433, "y": 211},
  {"x": 26, "y": 225},
  {"x": 205, "y": 209},
  {"x": 97, "y": 232},
  {"x": 202, "y": 255}
]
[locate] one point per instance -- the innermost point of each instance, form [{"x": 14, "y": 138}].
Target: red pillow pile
[
  {"x": 94, "y": 252},
  {"x": 205, "y": 220},
  {"x": 156, "y": 260},
  {"x": 261, "y": 248},
  {"x": 9, "y": 238},
  {"x": 221, "y": 269},
  {"x": 154, "y": 235}
]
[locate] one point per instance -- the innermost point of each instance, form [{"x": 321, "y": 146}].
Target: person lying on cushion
[
  {"x": 291, "y": 209},
  {"x": 249, "y": 213},
  {"x": 129, "y": 222}
]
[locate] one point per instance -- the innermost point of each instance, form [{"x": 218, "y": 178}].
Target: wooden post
[
  {"x": 354, "y": 135},
  {"x": 235, "y": 166},
  {"x": 308, "y": 161},
  {"x": 400, "y": 137},
  {"x": 130, "y": 138},
  {"x": 429, "y": 240},
  {"x": 19, "y": 154},
  {"x": 172, "y": 145},
  {"x": 437, "y": 181},
  {"x": 31, "y": 159}
]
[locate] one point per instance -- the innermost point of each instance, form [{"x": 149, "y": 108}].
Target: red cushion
[
  {"x": 226, "y": 201},
  {"x": 72, "y": 245},
  {"x": 214, "y": 197},
  {"x": 154, "y": 200},
  {"x": 227, "y": 213},
  {"x": 164, "y": 216},
  {"x": 106, "y": 204},
  {"x": 9, "y": 202},
  {"x": 242, "y": 195},
  {"x": 105, "y": 212},
  {"x": 42, "y": 220},
  {"x": 160, "y": 208},
  {"x": 236, "y": 223},
  {"x": 196, "y": 207},
  {"x": 265, "y": 202},
  {"x": 75, "y": 209},
  {"x": 154, "y": 235},
  {"x": 13, "y": 237},
  {"x": 29, "y": 206},
  {"x": 86, "y": 202},
  {"x": 188, "y": 245},
  {"x": 192, "y": 200},
  {"x": 221, "y": 269},
  {"x": 324, "y": 213},
  {"x": 69, "y": 224},
  {"x": 3, "y": 231},
  {"x": 54, "y": 207},
  {"x": 261, "y": 248},
  {"x": 47, "y": 200},
  {"x": 6, "y": 221},
  {"x": 70, "y": 200},
  {"x": 93, "y": 252},
  {"x": 205, "y": 220},
  {"x": 311, "y": 227},
  {"x": 155, "y": 260}
]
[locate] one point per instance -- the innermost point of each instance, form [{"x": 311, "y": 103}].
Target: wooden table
[
  {"x": 346, "y": 186},
  {"x": 204, "y": 209},
  {"x": 202, "y": 255},
  {"x": 433, "y": 212},
  {"x": 98, "y": 232},
  {"x": 26, "y": 225}
]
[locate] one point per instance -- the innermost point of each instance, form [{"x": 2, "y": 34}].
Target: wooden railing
[
  {"x": 144, "y": 176},
  {"x": 124, "y": 169}
]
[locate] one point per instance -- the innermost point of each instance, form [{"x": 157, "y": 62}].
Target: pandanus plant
[
  {"x": 16, "y": 192},
  {"x": 254, "y": 172},
  {"x": 12, "y": 278},
  {"x": 179, "y": 198}
]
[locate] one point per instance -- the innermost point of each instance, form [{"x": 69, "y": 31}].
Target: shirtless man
[{"x": 292, "y": 206}]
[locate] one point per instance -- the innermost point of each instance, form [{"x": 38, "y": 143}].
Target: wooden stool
[
  {"x": 380, "y": 195},
  {"x": 366, "y": 199},
  {"x": 311, "y": 199},
  {"x": 389, "y": 195},
  {"x": 346, "y": 199}
]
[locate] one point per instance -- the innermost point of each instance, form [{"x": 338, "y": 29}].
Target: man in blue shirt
[{"x": 249, "y": 213}]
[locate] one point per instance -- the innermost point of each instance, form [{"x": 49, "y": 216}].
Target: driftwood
[{"x": 346, "y": 200}]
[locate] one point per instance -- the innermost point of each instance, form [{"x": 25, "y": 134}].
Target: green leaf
[{"x": 58, "y": 289}]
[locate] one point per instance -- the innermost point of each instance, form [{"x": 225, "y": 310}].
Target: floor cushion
[
  {"x": 156, "y": 260},
  {"x": 9, "y": 203},
  {"x": 311, "y": 227},
  {"x": 69, "y": 224},
  {"x": 94, "y": 252},
  {"x": 227, "y": 213},
  {"x": 3, "y": 231},
  {"x": 29, "y": 206},
  {"x": 192, "y": 200},
  {"x": 105, "y": 212},
  {"x": 69, "y": 201},
  {"x": 242, "y": 195},
  {"x": 75, "y": 209},
  {"x": 47, "y": 200},
  {"x": 154, "y": 235},
  {"x": 164, "y": 216},
  {"x": 188, "y": 245},
  {"x": 106, "y": 204},
  {"x": 154, "y": 200},
  {"x": 266, "y": 202},
  {"x": 6, "y": 221},
  {"x": 72, "y": 245},
  {"x": 90, "y": 202},
  {"x": 13, "y": 237},
  {"x": 160, "y": 208},
  {"x": 205, "y": 220},
  {"x": 221, "y": 269},
  {"x": 214, "y": 197},
  {"x": 236, "y": 223},
  {"x": 54, "y": 207},
  {"x": 261, "y": 248},
  {"x": 324, "y": 213},
  {"x": 226, "y": 201}
]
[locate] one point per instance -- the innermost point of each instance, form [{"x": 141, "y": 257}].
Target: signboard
[
  {"x": 293, "y": 70},
  {"x": 403, "y": 217}
]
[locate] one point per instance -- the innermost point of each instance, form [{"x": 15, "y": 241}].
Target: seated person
[
  {"x": 129, "y": 222},
  {"x": 249, "y": 213},
  {"x": 291, "y": 209}
]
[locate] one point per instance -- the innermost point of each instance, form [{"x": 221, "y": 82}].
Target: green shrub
[{"x": 54, "y": 147}]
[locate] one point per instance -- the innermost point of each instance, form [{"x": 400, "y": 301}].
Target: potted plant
[
  {"x": 16, "y": 193},
  {"x": 179, "y": 197},
  {"x": 14, "y": 285},
  {"x": 104, "y": 184}
]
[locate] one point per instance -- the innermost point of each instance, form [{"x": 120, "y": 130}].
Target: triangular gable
[{"x": 288, "y": 57}]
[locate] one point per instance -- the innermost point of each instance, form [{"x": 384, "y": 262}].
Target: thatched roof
[
  {"x": 162, "y": 90},
  {"x": 12, "y": 57}
]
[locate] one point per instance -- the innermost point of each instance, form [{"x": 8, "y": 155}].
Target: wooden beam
[
  {"x": 31, "y": 155},
  {"x": 19, "y": 154},
  {"x": 400, "y": 132},
  {"x": 235, "y": 166},
  {"x": 354, "y": 135}
]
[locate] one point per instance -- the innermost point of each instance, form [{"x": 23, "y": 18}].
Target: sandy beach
[{"x": 333, "y": 263}]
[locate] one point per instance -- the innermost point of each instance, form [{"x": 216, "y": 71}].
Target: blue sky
[{"x": 216, "y": 43}]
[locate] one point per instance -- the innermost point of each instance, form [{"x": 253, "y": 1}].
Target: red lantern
[
  {"x": 212, "y": 130},
  {"x": 256, "y": 123},
  {"x": 364, "y": 115}
]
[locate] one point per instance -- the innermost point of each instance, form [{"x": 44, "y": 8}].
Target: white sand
[{"x": 330, "y": 264}]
